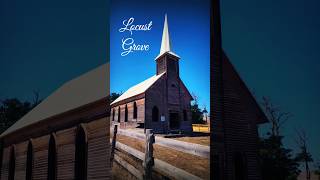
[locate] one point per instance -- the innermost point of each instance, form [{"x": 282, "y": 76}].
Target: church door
[{"x": 174, "y": 121}]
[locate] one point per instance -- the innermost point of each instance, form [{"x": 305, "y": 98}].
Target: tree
[
  {"x": 276, "y": 117},
  {"x": 303, "y": 156},
  {"x": 12, "y": 109},
  {"x": 317, "y": 169},
  {"x": 36, "y": 98},
  {"x": 276, "y": 161},
  {"x": 113, "y": 96},
  {"x": 196, "y": 113},
  {"x": 205, "y": 112}
]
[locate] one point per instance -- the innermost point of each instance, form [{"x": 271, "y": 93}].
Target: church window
[
  {"x": 135, "y": 110},
  {"x": 113, "y": 113},
  {"x": 119, "y": 114},
  {"x": 29, "y": 163},
  {"x": 81, "y": 155},
  {"x": 155, "y": 113},
  {"x": 126, "y": 114},
  {"x": 12, "y": 164},
  {"x": 52, "y": 159}
]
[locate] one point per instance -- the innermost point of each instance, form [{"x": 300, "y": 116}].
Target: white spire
[{"x": 165, "y": 42}]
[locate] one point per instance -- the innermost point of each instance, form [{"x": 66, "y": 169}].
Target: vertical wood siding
[
  {"x": 98, "y": 149},
  {"x": 168, "y": 94},
  {"x": 40, "y": 150},
  {"x": 5, "y": 163},
  {"x": 98, "y": 168},
  {"x": 65, "y": 153},
  {"x": 240, "y": 117},
  {"x": 21, "y": 160}
]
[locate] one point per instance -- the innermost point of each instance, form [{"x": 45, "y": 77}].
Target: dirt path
[{"x": 203, "y": 140}]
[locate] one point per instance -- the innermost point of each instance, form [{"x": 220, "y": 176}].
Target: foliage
[
  {"x": 276, "y": 161},
  {"x": 11, "y": 110},
  {"x": 276, "y": 117},
  {"x": 196, "y": 112},
  {"x": 113, "y": 96},
  {"x": 304, "y": 156},
  {"x": 317, "y": 169}
]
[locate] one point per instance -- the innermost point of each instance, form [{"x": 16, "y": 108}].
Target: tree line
[
  {"x": 12, "y": 109},
  {"x": 278, "y": 162}
]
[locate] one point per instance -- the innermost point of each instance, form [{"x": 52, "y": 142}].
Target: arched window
[
  {"x": 240, "y": 167},
  {"x": 52, "y": 159},
  {"x": 81, "y": 155},
  {"x": 29, "y": 161},
  {"x": 119, "y": 114},
  {"x": 135, "y": 110},
  {"x": 12, "y": 164},
  {"x": 185, "y": 115},
  {"x": 113, "y": 113},
  {"x": 126, "y": 114},
  {"x": 155, "y": 113}
]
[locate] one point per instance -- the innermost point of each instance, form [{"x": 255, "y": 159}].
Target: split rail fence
[{"x": 149, "y": 162}]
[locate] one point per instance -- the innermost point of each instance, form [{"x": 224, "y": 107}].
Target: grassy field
[{"x": 203, "y": 128}]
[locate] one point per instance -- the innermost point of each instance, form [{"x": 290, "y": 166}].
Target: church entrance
[{"x": 174, "y": 120}]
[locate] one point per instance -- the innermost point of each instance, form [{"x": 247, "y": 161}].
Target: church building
[
  {"x": 162, "y": 102},
  {"x": 235, "y": 115},
  {"x": 66, "y": 136}
]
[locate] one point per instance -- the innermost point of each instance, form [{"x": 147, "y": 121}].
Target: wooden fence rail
[
  {"x": 159, "y": 166},
  {"x": 113, "y": 143},
  {"x": 129, "y": 167},
  {"x": 149, "y": 163},
  {"x": 190, "y": 148}
]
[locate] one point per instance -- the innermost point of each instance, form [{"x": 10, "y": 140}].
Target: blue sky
[
  {"x": 189, "y": 25},
  {"x": 43, "y": 44},
  {"x": 274, "y": 46}
]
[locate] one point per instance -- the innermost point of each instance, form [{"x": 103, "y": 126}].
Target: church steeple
[
  {"x": 167, "y": 61},
  {"x": 165, "y": 42}
]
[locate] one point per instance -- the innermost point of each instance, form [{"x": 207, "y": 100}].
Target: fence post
[
  {"x": 113, "y": 145},
  {"x": 149, "y": 160}
]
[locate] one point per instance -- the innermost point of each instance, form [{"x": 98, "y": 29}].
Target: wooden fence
[
  {"x": 190, "y": 148},
  {"x": 149, "y": 162}
]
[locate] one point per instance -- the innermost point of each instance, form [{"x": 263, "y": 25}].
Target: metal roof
[
  {"x": 87, "y": 88},
  {"x": 138, "y": 89}
]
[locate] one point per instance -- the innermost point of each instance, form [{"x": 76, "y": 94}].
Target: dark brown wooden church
[
  {"x": 162, "y": 102},
  {"x": 65, "y": 137},
  {"x": 235, "y": 115}
]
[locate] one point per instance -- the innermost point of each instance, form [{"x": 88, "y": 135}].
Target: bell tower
[{"x": 167, "y": 61}]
